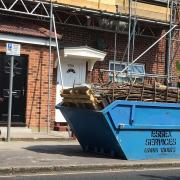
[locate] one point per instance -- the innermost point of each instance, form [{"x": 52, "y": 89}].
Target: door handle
[{"x": 23, "y": 91}]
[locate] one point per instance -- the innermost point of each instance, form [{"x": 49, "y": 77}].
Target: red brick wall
[
  {"x": 176, "y": 55},
  {"x": 154, "y": 59},
  {"x": 37, "y": 88}
]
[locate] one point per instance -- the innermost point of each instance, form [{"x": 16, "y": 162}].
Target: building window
[{"x": 135, "y": 72}]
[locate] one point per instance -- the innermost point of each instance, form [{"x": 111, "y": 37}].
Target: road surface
[{"x": 167, "y": 174}]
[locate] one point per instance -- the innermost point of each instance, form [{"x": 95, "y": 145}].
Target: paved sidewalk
[
  {"x": 53, "y": 156},
  {"x": 25, "y": 134}
]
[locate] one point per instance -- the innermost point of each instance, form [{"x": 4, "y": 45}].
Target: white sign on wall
[{"x": 13, "y": 49}]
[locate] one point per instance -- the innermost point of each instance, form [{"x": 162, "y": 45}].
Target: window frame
[{"x": 139, "y": 76}]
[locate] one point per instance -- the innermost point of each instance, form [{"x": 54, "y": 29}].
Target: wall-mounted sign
[{"x": 13, "y": 49}]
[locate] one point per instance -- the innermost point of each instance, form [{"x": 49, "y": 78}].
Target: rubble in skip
[{"x": 98, "y": 96}]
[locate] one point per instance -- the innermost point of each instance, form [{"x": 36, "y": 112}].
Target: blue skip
[{"x": 128, "y": 129}]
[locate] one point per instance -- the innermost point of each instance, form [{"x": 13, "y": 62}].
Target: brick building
[
  {"x": 30, "y": 86},
  {"x": 84, "y": 50}
]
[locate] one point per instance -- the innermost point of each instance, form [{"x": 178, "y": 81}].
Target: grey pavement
[
  {"x": 25, "y": 134},
  {"x": 64, "y": 156}
]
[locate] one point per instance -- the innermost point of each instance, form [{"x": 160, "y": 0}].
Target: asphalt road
[{"x": 171, "y": 174}]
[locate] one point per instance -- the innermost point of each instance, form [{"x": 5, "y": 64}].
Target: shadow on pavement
[{"x": 67, "y": 150}]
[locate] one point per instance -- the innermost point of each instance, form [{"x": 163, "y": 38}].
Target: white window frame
[{"x": 132, "y": 76}]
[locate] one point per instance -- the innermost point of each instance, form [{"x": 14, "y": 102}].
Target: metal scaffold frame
[
  {"x": 40, "y": 10},
  {"x": 169, "y": 43},
  {"x": 172, "y": 26},
  {"x": 50, "y": 11},
  {"x": 29, "y": 7}
]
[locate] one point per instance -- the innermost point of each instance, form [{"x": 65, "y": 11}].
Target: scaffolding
[
  {"x": 41, "y": 10},
  {"x": 28, "y": 7},
  {"x": 173, "y": 5},
  {"x": 51, "y": 12}
]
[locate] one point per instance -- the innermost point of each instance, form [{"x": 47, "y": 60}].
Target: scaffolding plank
[{"x": 143, "y": 10}]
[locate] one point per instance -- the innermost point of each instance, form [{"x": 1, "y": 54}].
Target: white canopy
[{"x": 89, "y": 54}]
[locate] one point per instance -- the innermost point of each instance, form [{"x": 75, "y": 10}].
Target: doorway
[{"x": 19, "y": 90}]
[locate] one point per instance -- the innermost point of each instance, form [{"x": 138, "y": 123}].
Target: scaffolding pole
[
  {"x": 49, "y": 69},
  {"x": 169, "y": 45},
  {"x": 129, "y": 33},
  {"x": 133, "y": 36},
  {"x": 141, "y": 75},
  {"x": 174, "y": 19},
  {"x": 148, "y": 48},
  {"x": 58, "y": 54},
  {"x": 115, "y": 56}
]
